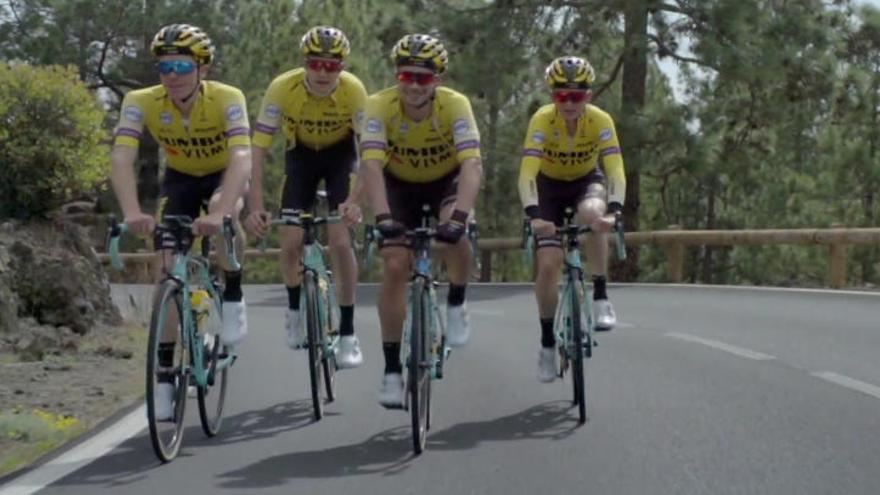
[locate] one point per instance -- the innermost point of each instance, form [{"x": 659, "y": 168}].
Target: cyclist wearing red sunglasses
[
  {"x": 420, "y": 144},
  {"x": 203, "y": 129},
  {"x": 317, "y": 106},
  {"x": 567, "y": 146}
]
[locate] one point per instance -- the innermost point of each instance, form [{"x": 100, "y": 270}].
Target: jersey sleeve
[
  {"x": 238, "y": 132},
  {"x": 358, "y": 100},
  {"x": 530, "y": 165},
  {"x": 465, "y": 134},
  {"x": 374, "y": 140},
  {"x": 130, "y": 128},
  {"x": 269, "y": 119},
  {"x": 611, "y": 160}
]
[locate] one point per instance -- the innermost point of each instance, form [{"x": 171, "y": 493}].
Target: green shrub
[{"x": 53, "y": 146}]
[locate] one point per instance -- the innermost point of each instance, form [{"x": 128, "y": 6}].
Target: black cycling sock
[
  {"x": 293, "y": 297},
  {"x": 166, "y": 360},
  {"x": 392, "y": 357},
  {"x": 599, "y": 288},
  {"x": 232, "y": 292},
  {"x": 346, "y": 320},
  {"x": 455, "y": 297},
  {"x": 548, "y": 339}
]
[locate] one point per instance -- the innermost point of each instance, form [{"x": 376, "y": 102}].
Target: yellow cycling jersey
[
  {"x": 314, "y": 121},
  {"x": 549, "y": 150},
  {"x": 198, "y": 145},
  {"x": 419, "y": 151}
]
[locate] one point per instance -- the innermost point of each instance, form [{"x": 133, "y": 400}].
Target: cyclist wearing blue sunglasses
[{"x": 202, "y": 127}]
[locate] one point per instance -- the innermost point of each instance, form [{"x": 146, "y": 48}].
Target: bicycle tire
[
  {"x": 419, "y": 378},
  {"x": 328, "y": 359},
  {"x": 314, "y": 343},
  {"x": 575, "y": 347},
  {"x": 211, "y": 414},
  {"x": 166, "y": 437}
]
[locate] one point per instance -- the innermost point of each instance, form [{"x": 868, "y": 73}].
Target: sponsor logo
[
  {"x": 165, "y": 117},
  {"x": 404, "y": 127},
  {"x": 373, "y": 125},
  {"x": 234, "y": 112},
  {"x": 538, "y": 137},
  {"x": 133, "y": 114},
  {"x": 273, "y": 112},
  {"x": 461, "y": 126},
  {"x": 605, "y": 134}
]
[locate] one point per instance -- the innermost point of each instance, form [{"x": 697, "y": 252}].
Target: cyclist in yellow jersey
[
  {"x": 419, "y": 144},
  {"x": 567, "y": 147},
  {"x": 203, "y": 128},
  {"x": 316, "y": 106}
]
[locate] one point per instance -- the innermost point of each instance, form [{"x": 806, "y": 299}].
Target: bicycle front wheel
[
  {"x": 328, "y": 355},
  {"x": 315, "y": 343},
  {"x": 576, "y": 346},
  {"x": 166, "y": 435},
  {"x": 419, "y": 379},
  {"x": 213, "y": 395}
]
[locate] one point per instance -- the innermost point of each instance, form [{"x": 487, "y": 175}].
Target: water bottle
[{"x": 200, "y": 300}]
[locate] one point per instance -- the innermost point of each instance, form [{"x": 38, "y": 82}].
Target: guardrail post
[
  {"x": 675, "y": 259},
  {"x": 837, "y": 263}
]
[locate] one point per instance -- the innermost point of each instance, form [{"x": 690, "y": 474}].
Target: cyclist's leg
[
  {"x": 396, "y": 268},
  {"x": 338, "y": 166},
  {"x": 298, "y": 194},
  {"x": 178, "y": 196},
  {"x": 591, "y": 207},
  {"x": 458, "y": 260}
]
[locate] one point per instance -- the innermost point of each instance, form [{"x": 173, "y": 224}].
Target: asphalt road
[{"x": 699, "y": 391}]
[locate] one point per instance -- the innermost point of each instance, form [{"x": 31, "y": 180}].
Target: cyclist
[
  {"x": 419, "y": 144},
  {"x": 316, "y": 106},
  {"x": 203, "y": 128},
  {"x": 568, "y": 144}
]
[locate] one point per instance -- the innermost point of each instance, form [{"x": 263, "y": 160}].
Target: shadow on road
[
  {"x": 134, "y": 458},
  {"x": 390, "y": 452}
]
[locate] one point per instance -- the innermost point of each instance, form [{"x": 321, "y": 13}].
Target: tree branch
[
  {"x": 611, "y": 78},
  {"x": 663, "y": 50}
]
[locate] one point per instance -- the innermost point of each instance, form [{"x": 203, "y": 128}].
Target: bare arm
[
  {"x": 371, "y": 181},
  {"x": 124, "y": 182},
  {"x": 235, "y": 178},
  {"x": 469, "y": 179},
  {"x": 255, "y": 196}
]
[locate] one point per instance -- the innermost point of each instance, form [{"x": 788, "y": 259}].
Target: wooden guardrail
[{"x": 672, "y": 240}]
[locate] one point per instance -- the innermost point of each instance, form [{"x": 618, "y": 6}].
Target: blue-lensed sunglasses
[{"x": 181, "y": 67}]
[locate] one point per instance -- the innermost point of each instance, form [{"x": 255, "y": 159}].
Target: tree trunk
[{"x": 635, "y": 68}]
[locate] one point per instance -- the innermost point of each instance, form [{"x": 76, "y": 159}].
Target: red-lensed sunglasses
[
  {"x": 420, "y": 78},
  {"x": 328, "y": 65},
  {"x": 572, "y": 96}
]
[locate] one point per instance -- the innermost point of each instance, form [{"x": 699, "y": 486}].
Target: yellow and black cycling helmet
[
  {"x": 183, "y": 39},
  {"x": 325, "y": 41},
  {"x": 570, "y": 73},
  {"x": 420, "y": 50}
]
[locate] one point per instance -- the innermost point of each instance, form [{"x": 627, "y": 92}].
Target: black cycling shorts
[
  {"x": 554, "y": 196},
  {"x": 184, "y": 194},
  {"x": 306, "y": 168},
  {"x": 406, "y": 199}
]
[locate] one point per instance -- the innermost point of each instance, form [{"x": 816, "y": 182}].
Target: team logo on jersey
[
  {"x": 461, "y": 126},
  {"x": 404, "y": 127},
  {"x": 234, "y": 112},
  {"x": 538, "y": 137},
  {"x": 273, "y": 112},
  {"x": 165, "y": 117},
  {"x": 133, "y": 114},
  {"x": 373, "y": 125},
  {"x": 605, "y": 134}
]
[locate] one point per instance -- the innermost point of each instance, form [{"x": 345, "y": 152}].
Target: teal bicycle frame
[{"x": 187, "y": 269}]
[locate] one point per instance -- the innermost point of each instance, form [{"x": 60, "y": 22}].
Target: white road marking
[
  {"x": 850, "y": 383},
  {"x": 739, "y": 351},
  {"x": 79, "y": 456}
]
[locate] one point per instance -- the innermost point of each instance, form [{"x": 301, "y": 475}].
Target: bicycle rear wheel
[
  {"x": 315, "y": 344},
  {"x": 576, "y": 346},
  {"x": 419, "y": 377},
  {"x": 213, "y": 395},
  {"x": 328, "y": 359},
  {"x": 166, "y": 436}
]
